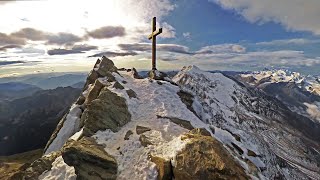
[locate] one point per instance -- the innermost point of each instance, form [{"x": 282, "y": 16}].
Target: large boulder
[
  {"x": 89, "y": 159},
  {"x": 205, "y": 158},
  {"x": 108, "y": 111}
]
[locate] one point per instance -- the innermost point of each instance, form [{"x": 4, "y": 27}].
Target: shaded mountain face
[
  {"x": 27, "y": 123},
  {"x": 196, "y": 125},
  {"x": 16, "y": 90}
]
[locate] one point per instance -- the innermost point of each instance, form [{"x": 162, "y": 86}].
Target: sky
[{"x": 43, "y": 36}]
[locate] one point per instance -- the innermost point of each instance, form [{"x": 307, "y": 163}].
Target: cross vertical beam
[
  {"x": 154, "y": 41},
  {"x": 153, "y": 37}
]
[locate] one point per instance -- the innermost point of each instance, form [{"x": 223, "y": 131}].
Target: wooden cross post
[{"x": 153, "y": 36}]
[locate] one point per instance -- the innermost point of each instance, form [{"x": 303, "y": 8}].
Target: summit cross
[{"x": 153, "y": 37}]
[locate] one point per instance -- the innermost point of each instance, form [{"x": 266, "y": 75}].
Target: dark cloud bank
[
  {"x": 19, "y": 38},
  {"x": 107, "y": 32},
  {"x": 74, "y": 50},
  {"x": 3, "y": 63}
]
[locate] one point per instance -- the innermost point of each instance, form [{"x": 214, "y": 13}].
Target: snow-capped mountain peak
[
  {"x": 308, "y": 83},
  {"x": 199, "y": 125}
]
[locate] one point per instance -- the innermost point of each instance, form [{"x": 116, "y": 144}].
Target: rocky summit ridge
[{"x": 197, "y": 125}]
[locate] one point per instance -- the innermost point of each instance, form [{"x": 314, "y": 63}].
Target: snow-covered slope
[
  {"x": 260, "y": 124},
  {"x": 153, "y": 101},
  {"x": 198, "y": 125}
]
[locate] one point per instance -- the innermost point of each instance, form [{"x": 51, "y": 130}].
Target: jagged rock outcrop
[
  {"x": 105, "y": 67},
  {"x": 89, "y": 160}
]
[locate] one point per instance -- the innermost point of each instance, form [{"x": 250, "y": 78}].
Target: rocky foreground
[{"x": 197, "y": 125}]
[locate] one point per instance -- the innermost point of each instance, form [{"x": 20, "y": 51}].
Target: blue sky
[
  {"x": 210, "y": 24},
  {"x": 212, "y": 34}
]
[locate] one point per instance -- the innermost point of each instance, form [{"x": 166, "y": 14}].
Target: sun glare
[{"x": 68, "y": 16}]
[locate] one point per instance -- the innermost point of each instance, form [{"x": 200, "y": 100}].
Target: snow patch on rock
[
  {"x": 313, "y": 110},
  {"x": 60, "y": 170}
]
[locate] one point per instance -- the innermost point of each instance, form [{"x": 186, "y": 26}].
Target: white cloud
[
  {"x": 186, "y": 35},
  {"x": 283, "y": 58},
  {"x": 168, "y": 31},
  {"x": 235, "y": 57},
  {"x": 225, "y": 57},
  {"x": 222, "y": 48},
  {"x": 296, "y": 15},
  {"x": 146, "y": 47},
  {"x": 299, "y": 41}
]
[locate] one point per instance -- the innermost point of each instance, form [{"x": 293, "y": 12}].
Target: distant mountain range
[
  {"x": 48, "y": 81},
  {"x": 31, "y": 106},
  {"x": 16, "y": 90},
  {"x": 26, "y": 123},
  {"x": 299, "y": 93}
]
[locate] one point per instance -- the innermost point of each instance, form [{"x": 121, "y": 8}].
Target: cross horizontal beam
[{"x": 155, "y": 33}]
